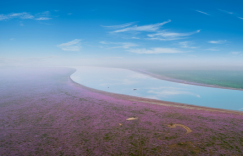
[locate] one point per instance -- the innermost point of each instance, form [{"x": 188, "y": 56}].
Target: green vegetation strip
[{"x": 232, "y": 79}]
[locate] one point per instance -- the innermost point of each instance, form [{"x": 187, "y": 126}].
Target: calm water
[{"x": 124, "y": 81}]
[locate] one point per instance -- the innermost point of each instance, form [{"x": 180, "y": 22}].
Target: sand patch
[
  {"x": 188, "y": 130},
  {"x": 132, "y": 118}
]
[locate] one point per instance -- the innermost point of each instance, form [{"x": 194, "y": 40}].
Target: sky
[{"x": 87, "y": 32}]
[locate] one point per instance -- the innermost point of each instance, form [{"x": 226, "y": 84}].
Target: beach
[{"x": 43, "y": 112}]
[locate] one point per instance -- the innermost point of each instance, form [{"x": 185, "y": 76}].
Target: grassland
[
  {"x": 224, "y": 78},
  {"x": 42, "y": 112}
]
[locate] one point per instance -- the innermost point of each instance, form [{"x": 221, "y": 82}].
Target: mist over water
[{"x": 154, "y": 62}]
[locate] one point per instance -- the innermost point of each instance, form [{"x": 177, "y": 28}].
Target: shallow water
[{"x": 128, "y": 82}]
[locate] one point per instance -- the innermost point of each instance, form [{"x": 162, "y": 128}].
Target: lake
[{"x": 127, "y": 82}]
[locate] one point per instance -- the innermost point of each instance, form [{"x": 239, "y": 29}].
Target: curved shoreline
[{"x": 152, "y": 101}]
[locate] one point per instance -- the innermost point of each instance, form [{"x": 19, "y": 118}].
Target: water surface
[{"x": 123, "y": 81}]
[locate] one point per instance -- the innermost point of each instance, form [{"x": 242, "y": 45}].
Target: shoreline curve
[{"x": 151, "y": 101}]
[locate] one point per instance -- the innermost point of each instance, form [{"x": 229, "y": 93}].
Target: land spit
[
  {"x": 161, "y": 77},
  {"x": 43, "y": 112}
]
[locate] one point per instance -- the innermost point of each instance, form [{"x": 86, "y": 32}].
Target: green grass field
[{"x": 233, "y": 79}]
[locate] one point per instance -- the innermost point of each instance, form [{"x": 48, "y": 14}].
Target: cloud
[
  {"x": 43, "y": 18},
  {"x": 228, "y": 12},
  {"x": 22, "y": 15},
  {"x": 11, "y": 39},
  {"x": 135, "y": 38},
  {"x": 3, "y": 17},
  {"x": 202, "y": 12},
  {"x": 154, "y": 51},
  {"x": 186, "y": 44},
  {"x": 231, "y": 13},
  {"x": 25, "y": 15},
  {"x": 236, "y": 53},
  {"x": 119, "y": 26},
  {"x": 73, "y": 45},
  {"x": 217, "y": 42},
  {"x": 168, "y": 36},
  {"x": 69, "y": 14},
  {"x": 157, "y": 35},
  {"x": 135, "y": 28},
  {"x": 124, "y": 45}
]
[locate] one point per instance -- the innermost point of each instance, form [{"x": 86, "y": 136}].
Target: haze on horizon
[{"x": 130, "y": 34}]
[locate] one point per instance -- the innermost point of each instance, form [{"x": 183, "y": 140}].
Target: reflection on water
[{"x": 127, "y": 82}]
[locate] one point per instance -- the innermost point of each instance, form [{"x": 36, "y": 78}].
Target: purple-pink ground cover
[{"x": 42, "y": 112}]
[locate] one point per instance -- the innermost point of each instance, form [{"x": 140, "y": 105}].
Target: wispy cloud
[
  {"x": 163, "y": 35},
  {"x": 135, "y": 38},
  {"x": 22, "y": 15},
  {"x": 135, "y": 28},
  {"x": 25, "y": 15},
  {"x": 202, "y": 12},
  {"x": 168, "y": 36},
  {"x": 236, "y": 53},
  {"x": 124, "y": 45},
  {"x": 154, "y": 50},
  {"x": 43, "y": 18},
  {"x": 228, "y": 12},
  {"x": 119, "y": 26},
  {"x": 186, "y": 44},
  {"x": 3, "y": 17},
  {"x": 231, "y": 13},
  {"x": 45, "y": 13},
  {"x": 217, "y": 42},
  {"x": 73, "y": 45}
]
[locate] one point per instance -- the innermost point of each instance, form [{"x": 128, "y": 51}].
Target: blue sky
[{"x": 117, "y": 31}]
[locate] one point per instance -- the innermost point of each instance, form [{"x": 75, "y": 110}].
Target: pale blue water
[{"x": 124, "y": 81}]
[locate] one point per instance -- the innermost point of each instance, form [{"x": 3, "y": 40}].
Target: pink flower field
[{"x": 43, "y": 112}]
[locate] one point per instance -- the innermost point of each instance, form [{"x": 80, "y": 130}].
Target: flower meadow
[{"x": 43, "y": 112}]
